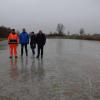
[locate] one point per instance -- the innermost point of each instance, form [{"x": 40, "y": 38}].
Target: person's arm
[
  {"x": 36, "y": 39},
  {"x": 31, "y": 40},
  {"x": 45, "y": 38},
  {"x": 28, "y": 38},
  {"x": 17, "y": 38},
  {"x": 20, "y": 38}
]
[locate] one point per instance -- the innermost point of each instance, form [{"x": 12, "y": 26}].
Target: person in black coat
[
  {"x": 40, "y": 40},
  {"x": 33, "y": 42}
]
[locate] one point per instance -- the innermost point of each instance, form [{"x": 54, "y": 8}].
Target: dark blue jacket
[{"x": 24, "y": 38}]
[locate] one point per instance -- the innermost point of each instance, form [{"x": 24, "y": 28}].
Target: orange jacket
[{"x": 13, "y": 38}]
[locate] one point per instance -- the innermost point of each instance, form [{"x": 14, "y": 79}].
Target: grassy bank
[
  {"x": 81, "y": 37},
  {"x": 2, "y": 39}
]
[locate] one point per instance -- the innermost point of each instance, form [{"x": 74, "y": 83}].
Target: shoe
[
  {"x": 16, "y": 57},
  {"x": 10, "y": 57}
]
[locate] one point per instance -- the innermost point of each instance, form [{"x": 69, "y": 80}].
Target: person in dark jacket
[
  {"x": 24, "y": 41},
  {"x": 33, "y": 42},
  {"x": 40, "y": 40}
]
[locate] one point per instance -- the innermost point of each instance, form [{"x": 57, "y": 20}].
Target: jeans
[
  {"x": 22, "y": 47},
  {"x": 33, "y": 49}
]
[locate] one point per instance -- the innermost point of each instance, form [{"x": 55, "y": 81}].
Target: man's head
[
  {"x": 40, "y": 31},
  {"x": 24, "y": 30},
  {"x": 13, "y": 31},
  {"x": 32, "y": 32}
]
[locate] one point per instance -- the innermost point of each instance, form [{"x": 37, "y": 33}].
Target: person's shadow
[{"x": 14, "y": 70}]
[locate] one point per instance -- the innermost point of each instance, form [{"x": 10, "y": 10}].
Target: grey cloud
[{"x": 46, "y": 14}]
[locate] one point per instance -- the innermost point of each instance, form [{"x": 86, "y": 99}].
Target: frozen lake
[{"x": 70, "y": 70}]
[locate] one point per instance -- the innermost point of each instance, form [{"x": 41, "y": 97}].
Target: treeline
[
  {"x": 4, "y": 31},
  {"x": 55, "y": 35},
  {"x": 74, "y": 36}
]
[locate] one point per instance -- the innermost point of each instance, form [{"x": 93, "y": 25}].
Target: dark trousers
[
  {"x": 40, "y": 49},
  {"x": 33, "y": 49},
  {"x": 22, "y": 47}
]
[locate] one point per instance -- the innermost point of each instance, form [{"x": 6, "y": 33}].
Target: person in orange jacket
[{"x": 13, "y": 43}]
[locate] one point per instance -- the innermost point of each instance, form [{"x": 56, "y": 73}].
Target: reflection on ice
[
  {"x": 37, "y": 70},
  {"x": 24, "y": 69},
  {"x": 27, "y": 70},
  {"x": 14, "y": 70},
  {"x": 40, "y": 70}
]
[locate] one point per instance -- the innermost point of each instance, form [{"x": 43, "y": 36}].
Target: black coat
[
  {"x": 33, "y": 41},
  {"x": 40, "y": 39}
]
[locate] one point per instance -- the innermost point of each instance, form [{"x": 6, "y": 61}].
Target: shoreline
[{"x": 77, "y": 37}]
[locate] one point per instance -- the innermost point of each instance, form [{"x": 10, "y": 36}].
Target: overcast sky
[{"x": 46, "y": 14}]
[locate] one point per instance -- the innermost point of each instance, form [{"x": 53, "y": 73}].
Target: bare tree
[
  {"x": 60, "y": 29},
  {"x": 82, "y": 31},
  {"x": 68, "y": 33}
]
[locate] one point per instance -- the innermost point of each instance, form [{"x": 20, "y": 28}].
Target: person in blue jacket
[{"x": 24, "y": 41}]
